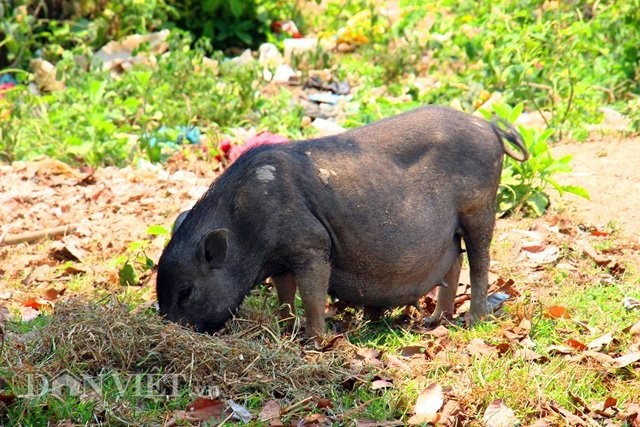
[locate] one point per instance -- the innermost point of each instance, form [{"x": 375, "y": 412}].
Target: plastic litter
[
  {"x": 260, "y": 139},
  {"x": 327, "y": 98},
  {"x": 118, "y": 57},
  {"x": 164, "y": 135}
]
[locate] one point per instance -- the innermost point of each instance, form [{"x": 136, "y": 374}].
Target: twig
[
  {"x": 296, "y": 405},
  {"x": 33, "y": 236}
]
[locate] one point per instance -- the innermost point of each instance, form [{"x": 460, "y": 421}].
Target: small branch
[{"x": 34, "y": 236}]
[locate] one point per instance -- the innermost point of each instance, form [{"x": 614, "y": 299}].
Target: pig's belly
[{"x": 394, "y": 286}]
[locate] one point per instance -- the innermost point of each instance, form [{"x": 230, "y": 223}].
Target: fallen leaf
[
  {"x": 33, "y": 303},
  {"x": 560, "y": 349},
  {"x": 53, "y": 294},
  {"x": 557, "y": 312},
  {"x": 600, "y": 342},
  {"x": 27, "y": 314},
  {"x": 630, "y": 303},
  {"x": 378, "y": 384},
  {"x": 372, "y": 423},
  {"x": 478, "y": 347},
  {"x": 270, "y": 411},
  {"x": 394, "y": 362},
  {"x": 540, "y": 254},
  {"x": 322, "y": 403},
  {"x": 315, "y": 420},
  {"x": 591, "y": 253},
  {"x": 626, "y": 360},
  {"x": 570, "y": 418},
  {"x": 498, "y": 414},
  {"x": 575, "y": 344},
  {"x": 429, "y": 402},
  {"x": 201, "y": 409},
  {"x": 598, "y": 233},
  {"x": 7, "y": 399},
  {"x": 610, "y": 402},
  {"x": 330, "y": 344},
  {"x": 438, "y": 332},
  {"x": 634, "y": 329},
  {"x": 412, "y": 350}
]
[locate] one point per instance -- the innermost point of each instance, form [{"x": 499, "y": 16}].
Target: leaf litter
[{"x": 108, "y": 202}]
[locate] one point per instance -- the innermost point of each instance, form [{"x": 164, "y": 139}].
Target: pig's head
[{"x": 195, "y": 285}]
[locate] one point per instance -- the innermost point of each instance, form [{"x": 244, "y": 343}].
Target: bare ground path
[{"x": 610, "y": 170}]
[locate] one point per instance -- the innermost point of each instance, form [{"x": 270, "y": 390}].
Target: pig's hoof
[{"x": 437, "y": 319}]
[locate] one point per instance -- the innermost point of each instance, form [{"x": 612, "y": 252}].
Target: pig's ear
[{"x": 213, "y": 247}]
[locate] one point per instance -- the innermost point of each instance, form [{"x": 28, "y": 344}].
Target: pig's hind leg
[
  {"x": 477, "y": 228},
  {"x": 447, "y": 294},
  {"x": 286, "y": 288}
]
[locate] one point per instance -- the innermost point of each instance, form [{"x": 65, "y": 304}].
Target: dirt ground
[
  {"x": 609, "y": 168},
  {"x": 112, "y": 208}
]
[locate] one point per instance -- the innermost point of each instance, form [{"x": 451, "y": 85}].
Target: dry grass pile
[{"x": 92, "y": 338}]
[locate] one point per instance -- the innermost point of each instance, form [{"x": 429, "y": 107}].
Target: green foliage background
[{"x": 568, "y": 58}]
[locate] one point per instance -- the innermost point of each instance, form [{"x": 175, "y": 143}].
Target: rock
[
  {"x": 327, "y": 127},
  {"x": 297, "y": 47},
  {"x": 269, "y": 55}
]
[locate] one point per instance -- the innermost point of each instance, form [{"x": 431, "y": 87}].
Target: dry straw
[{"x": 251, "y": 357}]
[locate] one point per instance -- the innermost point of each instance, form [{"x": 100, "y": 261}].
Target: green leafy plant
[
  {"x": 524, "y": 184},
  {"x": 135, "y": 263}
]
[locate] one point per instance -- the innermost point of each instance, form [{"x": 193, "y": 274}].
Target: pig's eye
[{"x": 184, "y": 293}]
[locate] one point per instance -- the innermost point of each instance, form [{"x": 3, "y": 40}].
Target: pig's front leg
[
  {"x": 312, "y": 278},
  {"x": 447, "y": 294}
]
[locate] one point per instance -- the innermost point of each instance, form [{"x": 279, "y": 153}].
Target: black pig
[{"x": 373, "y": 216}]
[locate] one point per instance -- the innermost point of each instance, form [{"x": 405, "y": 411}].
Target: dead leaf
[
  {"x": 557, "y": 312},
  {"x": 33, "y": 303},
  {"x": 570, "y": 418},
  {"x": 450, "y": 410},
  {"x": 539, "y": 253},
  {"x": 378, "y": 384},
  {"x": 610, "y": 402},
  {"x": 600, "y": 342},
  {"x": 630, "y": 303},
  {"x": 478, "y": 347},
  {"x": 439, "y": 332},
  {"x": 201, "y": 409},
  {"x": 53, "y": 294},
  {"x": 315, "y": 420},
  {"x": 271, "y": 410},
  {"x": 429, "y": 402},
  {"x": 371, "y": 423},
  {"x": 7, "y": 399},
  {"x": 322, "y": 403},
  {"x": 600, "y": 260},
  {"x": 560, "y": 349},
  {"x": 626, "y": 360},
  {"x": 412, "y": 350},
  {"x": 27, "y": 314},
  {"x": 633, "y": 329},
  {"x": 498, "y": 414},
  {"x": 575, "y": 344},
  {"x": 67, "y": 252},
  {"x": 598, "y": 233}
]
